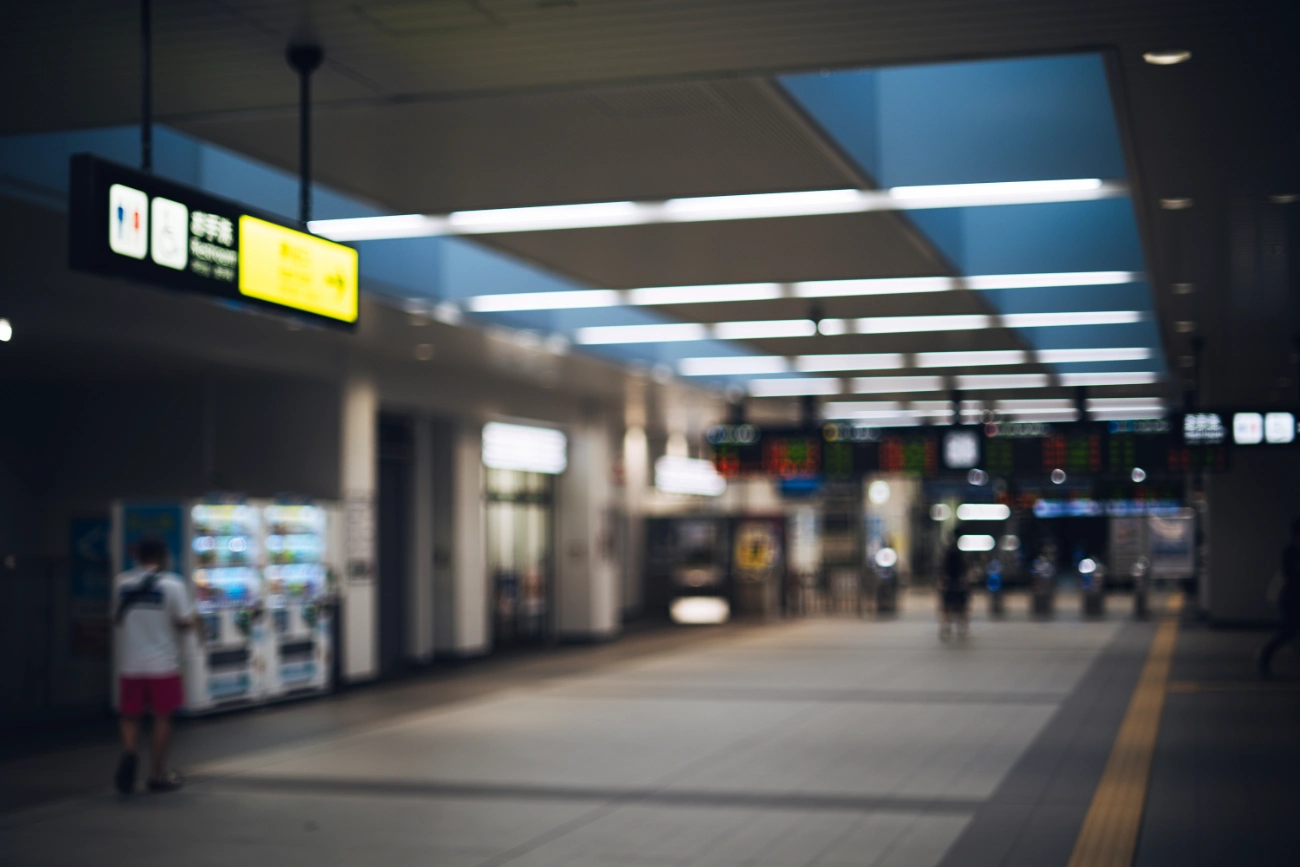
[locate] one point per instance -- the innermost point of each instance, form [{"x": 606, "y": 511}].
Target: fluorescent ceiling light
[
  {"x": 704, "y": 294},
  {"x": 1167, "y": 58},
  {"x": 686, "y": 210},
  {"x": 1033, "y": 403},
  {"x": 862, "y": 406},
  {"x": 975, "y": 543},
  {"x": 861, "y": 361},
  {"x": 664, "y": 333},
  {"x": 1066, "y": 356},
  {"x": 546, "y": 217},
  {"x": 872, "y": 286},
  {"x": 678, "y": 475},
  {"x": 1003, "y": 380},
  {"x": 1105, "y": 403},
  {"x": 942, "y": 191},
  {"x": 521, "y": 447},
  {"x": 1052, "y": 280},
  {"x": 794, "y": 387},
  {"x": 1076, "y": 379},
  {"x": 735, "y": 292},
  {"x": 983, "y": 512},
  {"x": 733, "y": 365},
  {"x": 1128, "y": 414},
  {"x": 1047, "y": 415},
  {"x": 906, "y": 324},
  {"x": 1085, "y": 317},
  {"x": 764, "y": 328},
  {"x": 887, "y": 384},
  {"x": 569, "y": 300},
  {"x": 970, "y": 359}
]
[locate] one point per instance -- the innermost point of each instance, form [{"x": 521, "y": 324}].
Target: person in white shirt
[{"x": 151, "y": 609}]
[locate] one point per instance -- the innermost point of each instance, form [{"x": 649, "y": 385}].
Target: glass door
[{"x": 519, "y": 531}]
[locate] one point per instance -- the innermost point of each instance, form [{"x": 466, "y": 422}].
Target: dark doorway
[{"x": 396, "y": 468}]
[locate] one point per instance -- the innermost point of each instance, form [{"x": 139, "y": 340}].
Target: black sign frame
[{"x": 89, "y": 247}]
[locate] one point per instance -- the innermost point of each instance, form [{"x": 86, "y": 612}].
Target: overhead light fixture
[
  {"x": 907, "y": 324},
  {"x": 975, "y": 543},
  {"x": 1002, "y": 380},
  {"x": 667, "y": 332},
  {"x": 713, "y": 208},
  {"x": 1068, "y": 356},
  {"x": 703, "y": 294},
  {"x": 522, "y": 447},
  {"x": 1167, "y": 58},
  {"x": 795, "y": 387},
  {"x": 568, "y": 300},
  {"x": 576, "y": 299},
  {"x": 1099, "y": 379},
  {"x": 700, "y": 610},
  {"x": 1105, "y": 403},
  {"x": 854, "y": 406},
  {"x": 1136, "y": 414},
  {"x": 1033, "y": 404},
  {"x": 1176, "y": 204},
  {"x": 977, "y": 358},
  {"x": 764, "y": 328},
  {"x": 733, "y": 365},
  {"x": 860, "y": 361},
  {"x": 1007, "y": 189},
  {"x": 888, "y": 384},
  {"x": 679, "y": 475},
  {"x": 1078, "y": 317},
  {"x": 6, "y": 331},
  {"x": 983, "y": 512}
]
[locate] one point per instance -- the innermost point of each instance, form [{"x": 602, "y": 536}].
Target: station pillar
[
  {"x": 588, "y": 597},
  {"x": 358, "y": 473}
]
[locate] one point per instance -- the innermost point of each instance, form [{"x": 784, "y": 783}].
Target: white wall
[
  {"x": 358, "y": 467},
  {"x": 588, "y": 585},
  {"x": 463, "y": 588}
]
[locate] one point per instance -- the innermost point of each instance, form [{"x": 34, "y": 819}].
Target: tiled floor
[{"x": 825, "y": 741}]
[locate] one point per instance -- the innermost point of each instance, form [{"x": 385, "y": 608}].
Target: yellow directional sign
[{"x": 297, "y": 270}]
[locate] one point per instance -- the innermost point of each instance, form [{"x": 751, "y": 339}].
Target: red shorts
[{"x": 163, "y": 694}]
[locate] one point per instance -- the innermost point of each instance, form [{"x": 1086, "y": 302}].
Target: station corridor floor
[{"x": 824, "y": 741}]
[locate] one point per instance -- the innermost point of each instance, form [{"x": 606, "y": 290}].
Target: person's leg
[
  {"x": 162, "y": 738},
  {"x": 129, "y": 726}
]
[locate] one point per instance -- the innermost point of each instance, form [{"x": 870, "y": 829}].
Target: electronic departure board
[{"x": 841, "y": 452}]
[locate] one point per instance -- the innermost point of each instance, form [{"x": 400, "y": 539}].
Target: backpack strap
[{"x": 131, "y": 597}]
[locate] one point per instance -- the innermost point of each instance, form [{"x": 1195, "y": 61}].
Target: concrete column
[
  {"x": 636, "y": 478},
  {"x": 587, "y": 574},
  {"x": 461, "y": 597},
  {"x": 359, "y": 477},
  {"x": 419, "y": 589},
  {"x": 1250, "y": 512}
]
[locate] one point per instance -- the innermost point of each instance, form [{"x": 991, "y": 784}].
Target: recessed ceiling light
[
  {"x": 1184, "y": 288},
  {"x": 1185, "y": 326},
  {"x": 1176, "y": 204},
  {"x": 1167, "y": 58},
  {"x": 424, "y": 351},
  {"x": 1287, "y": 199},
  {"x": 6, "y": 331}
]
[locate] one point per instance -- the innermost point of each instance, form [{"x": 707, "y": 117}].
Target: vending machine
[
  {"x": 227, "y": 584},
  {"x": 299, "y": 649}
]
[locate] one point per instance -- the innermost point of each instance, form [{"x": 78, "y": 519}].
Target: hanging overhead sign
[{"x": 130, "y": 224}]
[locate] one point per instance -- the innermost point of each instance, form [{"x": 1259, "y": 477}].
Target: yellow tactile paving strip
[{"x": 1110, "y": 829}]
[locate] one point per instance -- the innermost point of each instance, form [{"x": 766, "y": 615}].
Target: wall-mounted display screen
[{"x": 138, "y": 226}]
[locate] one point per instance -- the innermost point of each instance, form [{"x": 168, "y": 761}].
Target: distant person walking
[
  {"x": 1288, "y": 602},
  {"x": 151, "y": 609},
  {"x": 954, "y": 595}
]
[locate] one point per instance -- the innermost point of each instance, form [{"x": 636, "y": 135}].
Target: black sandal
[
  {"x": 169, "y": 783},
  {"x": 124, "y": 779}
]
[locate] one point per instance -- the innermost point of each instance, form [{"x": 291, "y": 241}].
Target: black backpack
[{"x": 142, "y": 591}]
